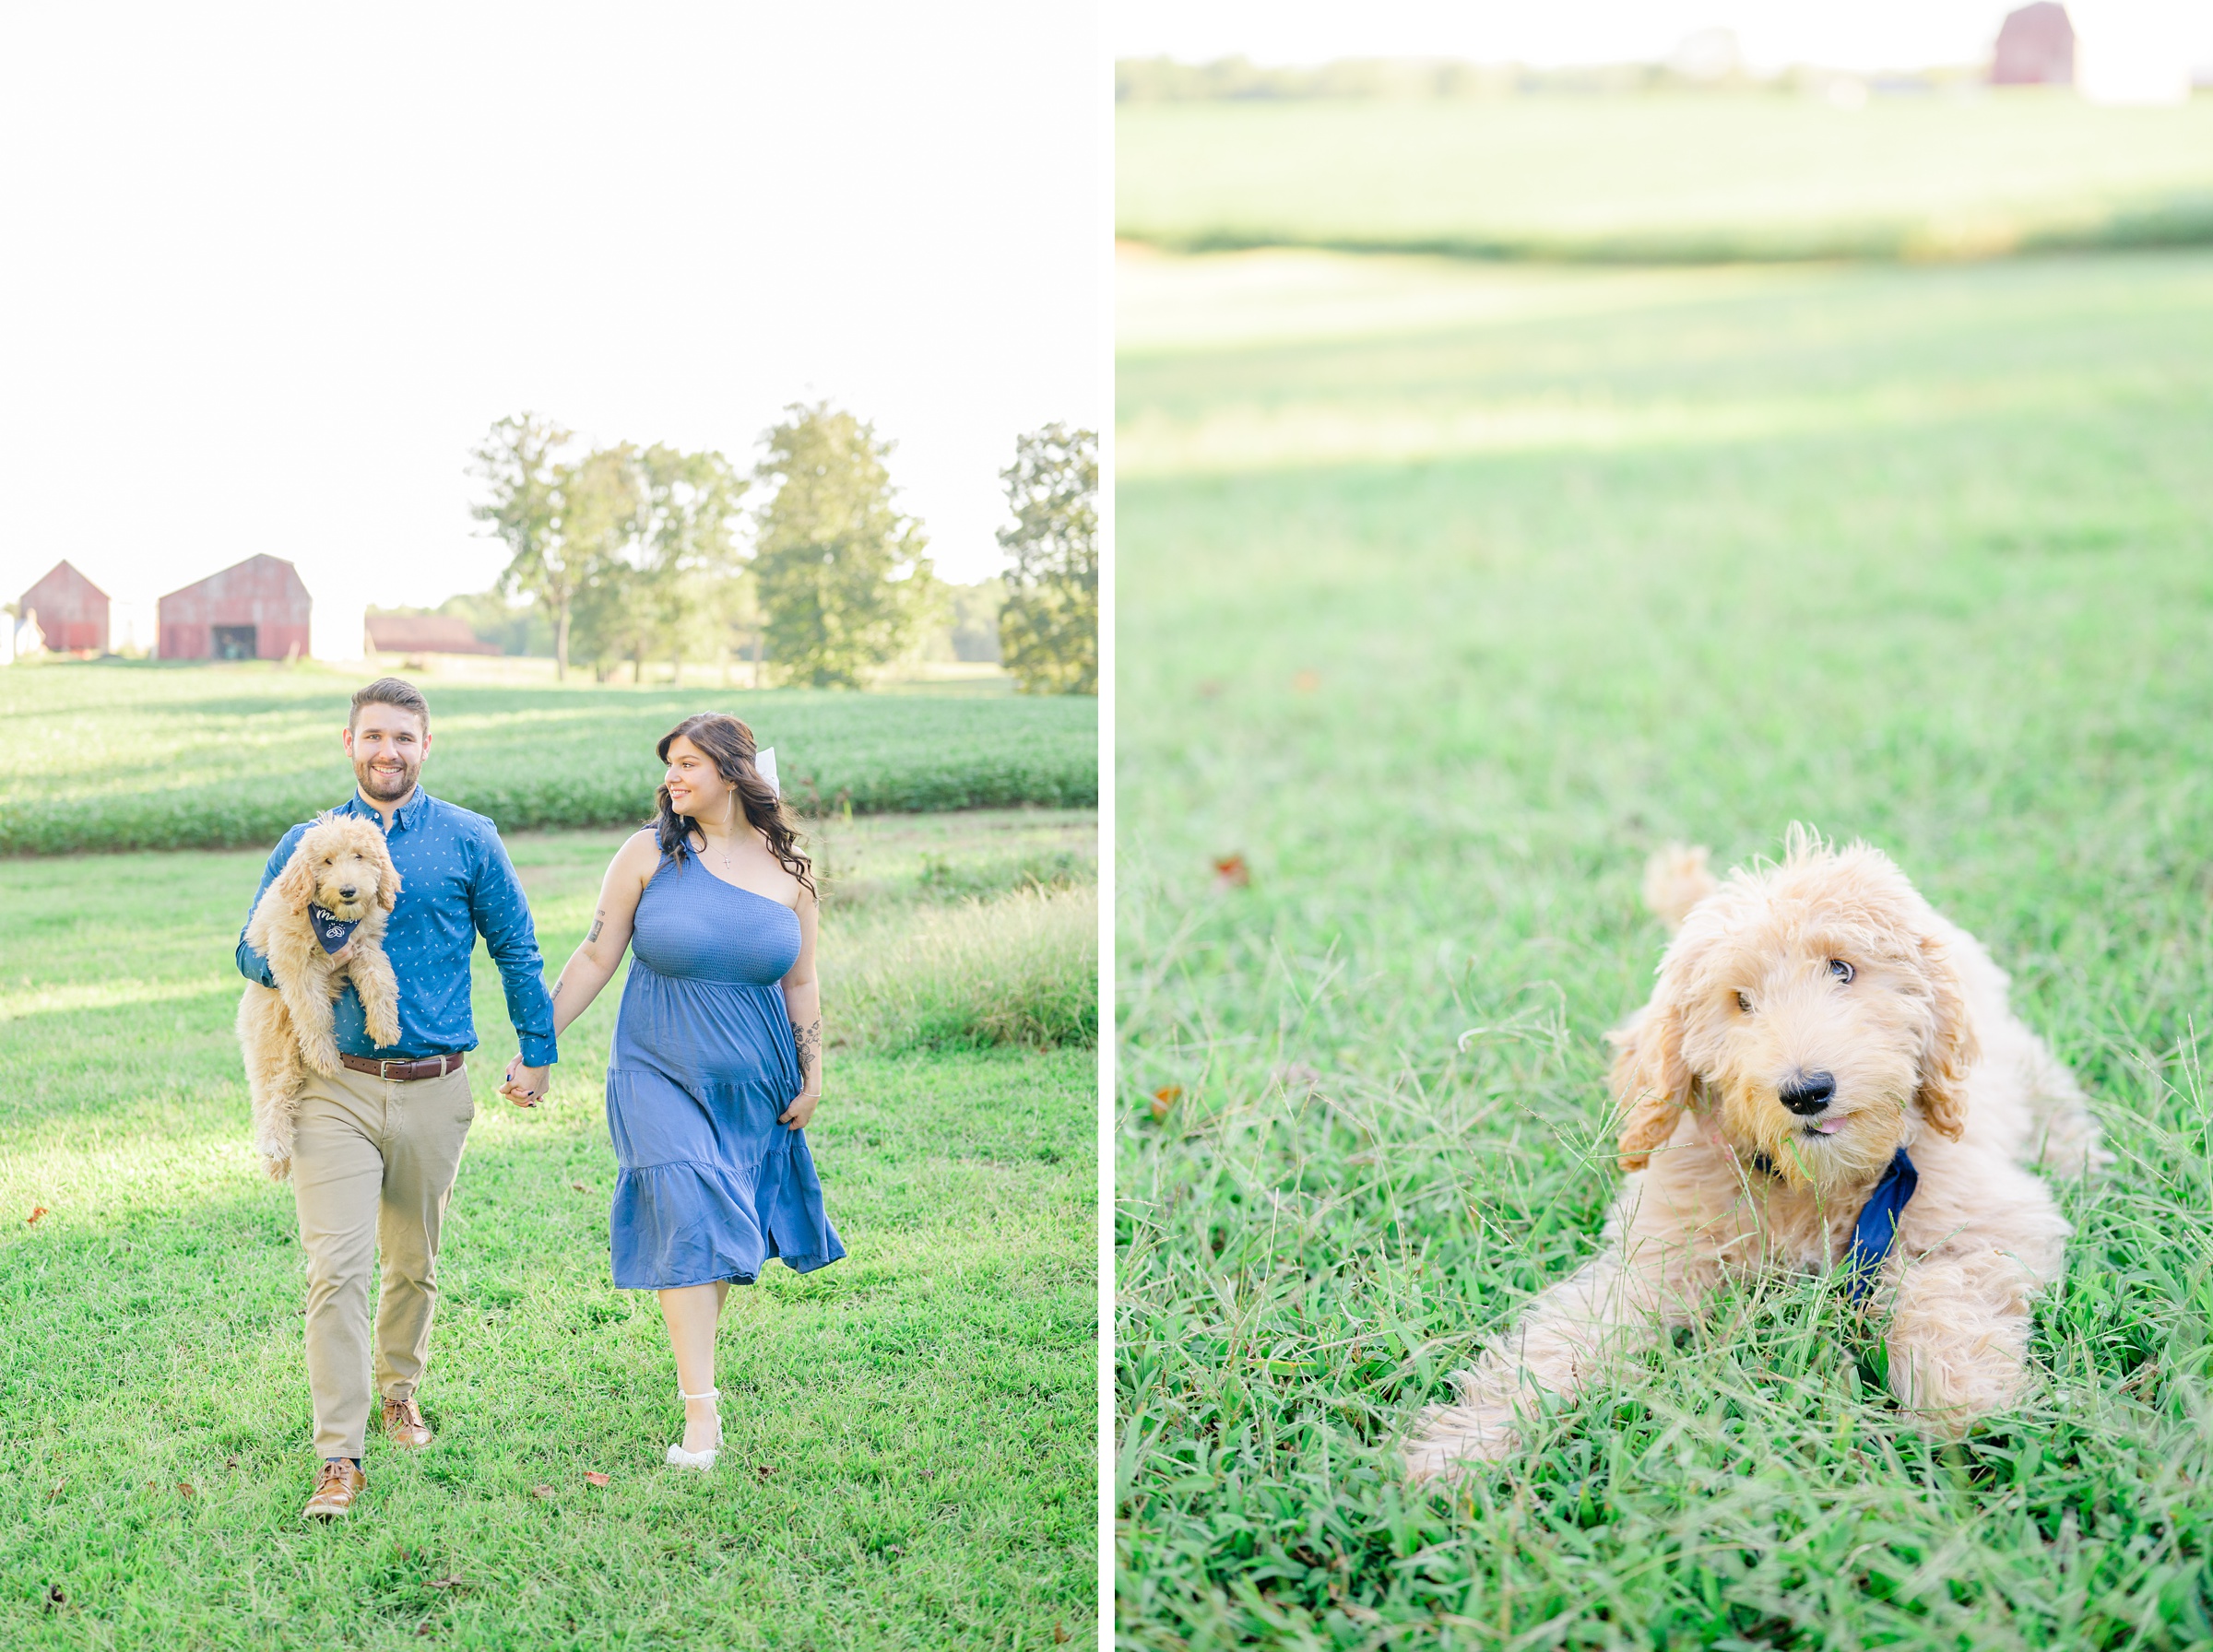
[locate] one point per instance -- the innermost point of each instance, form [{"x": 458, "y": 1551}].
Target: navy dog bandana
[
  {"x": 335, "y": 932},
  {"x": 1878, "y": 1229}
]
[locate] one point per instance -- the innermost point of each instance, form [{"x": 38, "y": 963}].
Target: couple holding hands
[{"x": 716, "y": 1070}]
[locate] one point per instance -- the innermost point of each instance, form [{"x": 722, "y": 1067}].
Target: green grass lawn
[
  {"x": 149, "y": 755},
  {"x": 1443, "y": 625},
  {"x": 911, "y": 1457},
  {"x": 1680, "y": 177}
]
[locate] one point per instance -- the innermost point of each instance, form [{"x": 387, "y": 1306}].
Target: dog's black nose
[
  {"x": 347, "y": 891},
  {"x": 1807, "y": 1093}
]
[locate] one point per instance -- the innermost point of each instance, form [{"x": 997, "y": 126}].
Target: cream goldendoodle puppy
[
  {"x": 334, "y": 893},
  {"x": 1825, "y": 1079}
]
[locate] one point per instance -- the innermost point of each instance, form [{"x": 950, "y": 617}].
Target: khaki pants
[{"x": 373, "y": 1164}]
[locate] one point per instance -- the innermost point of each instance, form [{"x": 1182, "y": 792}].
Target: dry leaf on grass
[
  {"x": 1230, "y": 872},
  {"x": 597, "y": 1478},
  {"x": 32, "y": 1219},
  {"x": 186, "y": 1486},
  {"x": 541, "y": 1491},
  {"x": 1166, "y": 1096}
]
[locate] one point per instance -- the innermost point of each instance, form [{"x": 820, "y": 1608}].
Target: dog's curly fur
[
  {"x": 341, "y": 865},
  {"x": 1829, "y": 962}
]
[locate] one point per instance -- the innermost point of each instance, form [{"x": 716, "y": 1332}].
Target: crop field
[
  {"x": 1448, "y": 593},
  {"x": 911, "y": 1457},
  {"x": 1682, "y": 178},
  {"x": 159, "y": 756}
]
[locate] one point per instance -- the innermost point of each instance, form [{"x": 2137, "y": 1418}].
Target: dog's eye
[
  {"x": 1744, "y": 1003},
  {"x": 1840, "y": 969}
]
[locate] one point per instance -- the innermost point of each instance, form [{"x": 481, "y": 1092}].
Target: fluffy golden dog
[
  {"x": 1811, "y": 1019},
  {"x": 340, "y": 864}
]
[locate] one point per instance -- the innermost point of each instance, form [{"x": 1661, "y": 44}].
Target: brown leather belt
[{"x": 430, "y": 1067}]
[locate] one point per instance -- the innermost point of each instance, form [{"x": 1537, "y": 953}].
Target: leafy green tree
[
  {"x": 737, "y": 624},
  {"x": 840, "y": 578},
  {"x": 602, "y": 499},
  {"x": 518, "y": 458},
  {"x": 687, "y": 523},
  {"x": 1048, "y": 631}
]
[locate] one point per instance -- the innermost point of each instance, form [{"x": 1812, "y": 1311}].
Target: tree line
[{"x": 636, "y": 552}]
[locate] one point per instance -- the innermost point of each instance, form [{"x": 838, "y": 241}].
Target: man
[{"x": 376, "y": 1146}]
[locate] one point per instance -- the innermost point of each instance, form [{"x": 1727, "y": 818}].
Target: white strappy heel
[{"x": 681, "y": 1459}]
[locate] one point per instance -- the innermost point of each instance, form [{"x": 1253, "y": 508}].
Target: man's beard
[{"x": 385, "y": 787}]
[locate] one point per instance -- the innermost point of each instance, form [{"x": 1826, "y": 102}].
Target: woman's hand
[
  {"x": 525, "y": 1085},
  {"x": 800, "y": 1112}
]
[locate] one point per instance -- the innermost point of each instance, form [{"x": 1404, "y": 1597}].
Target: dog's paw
[
  {"x": 279, "y": 1169},
  {"x": 322, "y": 1058},
  {"x": 384, "y": 1028},
  {"x": 1447, "y": 1439}
]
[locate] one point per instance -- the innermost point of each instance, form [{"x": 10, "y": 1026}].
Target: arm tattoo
[
  {"x": 599, "y": 922},
  {"x": 809, "y": 1040}
]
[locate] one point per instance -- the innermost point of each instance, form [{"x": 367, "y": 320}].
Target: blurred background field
[
  {"x": 1448, "y": 591},
  {"x": 910, "y": 1461},
  {"x": 116, "y": 756},
  {"x": 1661, "y": 177}
]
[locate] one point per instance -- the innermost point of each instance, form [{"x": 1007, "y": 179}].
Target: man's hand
[
  {"x": 800, "y": 1112},
  {"x": 526, "y": 1086}
]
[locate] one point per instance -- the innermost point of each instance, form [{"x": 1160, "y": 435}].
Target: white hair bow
[{"x": 764, "y": 765}]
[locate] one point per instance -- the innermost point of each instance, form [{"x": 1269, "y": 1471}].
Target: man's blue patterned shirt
[{"x": 456, "y": 882}]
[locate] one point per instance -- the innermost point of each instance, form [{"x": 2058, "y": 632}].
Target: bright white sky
[
  {"x": 272, "y": 269},
  {"x": 1863, "y": 35}
]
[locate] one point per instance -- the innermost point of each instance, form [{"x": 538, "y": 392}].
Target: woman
[{"x": 718, "y": 1048}]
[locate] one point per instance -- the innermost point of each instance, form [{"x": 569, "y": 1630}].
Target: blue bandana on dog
[
  {"x": 1876, "y": 1231},
  {"x": 332, "y": 931}
]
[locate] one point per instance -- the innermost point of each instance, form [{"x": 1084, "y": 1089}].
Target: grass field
[
  {"x": 911, "y": 1460},
  {"x": 1681, "y": 178},
  {"x": 157, "y": 757},
  {"x": 1442, "y": 623}
]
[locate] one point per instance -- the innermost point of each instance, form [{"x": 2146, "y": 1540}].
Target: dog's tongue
[{"x": 1828, "y": 1127}]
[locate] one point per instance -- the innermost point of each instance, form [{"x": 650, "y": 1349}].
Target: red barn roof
[
  {"x": 257, "y": 609},
  {"x": 72, "y": 610},
  {"x": 425, "y": 633}
]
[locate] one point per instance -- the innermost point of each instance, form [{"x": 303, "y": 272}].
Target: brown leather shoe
[
  {"x": 404, "y": 1425},
  {"x": 338, "y": 1481}
]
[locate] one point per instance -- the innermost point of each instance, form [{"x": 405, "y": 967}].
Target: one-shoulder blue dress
[{"x": 711, "y": 1185}]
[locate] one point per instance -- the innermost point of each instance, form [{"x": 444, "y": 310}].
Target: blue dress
[{"x": 711, "y": 1185}]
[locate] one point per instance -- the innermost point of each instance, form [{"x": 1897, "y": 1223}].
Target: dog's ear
[
  {"x": 296, "y": 883},
  {"x": 1649, "y": 1080},
  {"x": 388, "y": 879},
  {"x": 1951, "y": 1049}
]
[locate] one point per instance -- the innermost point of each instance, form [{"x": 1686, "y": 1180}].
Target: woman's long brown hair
[{"x": 728, "y": 745}]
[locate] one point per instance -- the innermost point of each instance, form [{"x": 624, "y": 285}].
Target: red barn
[
  {"x": 255, "y": 609},
  {"x": 2036, "y": 47},
  {"x": 425, "y": 633},
  {"x": 72, "y": 610}
]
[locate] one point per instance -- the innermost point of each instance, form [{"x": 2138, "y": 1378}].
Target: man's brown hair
[{"x": 390, "y": 691}]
